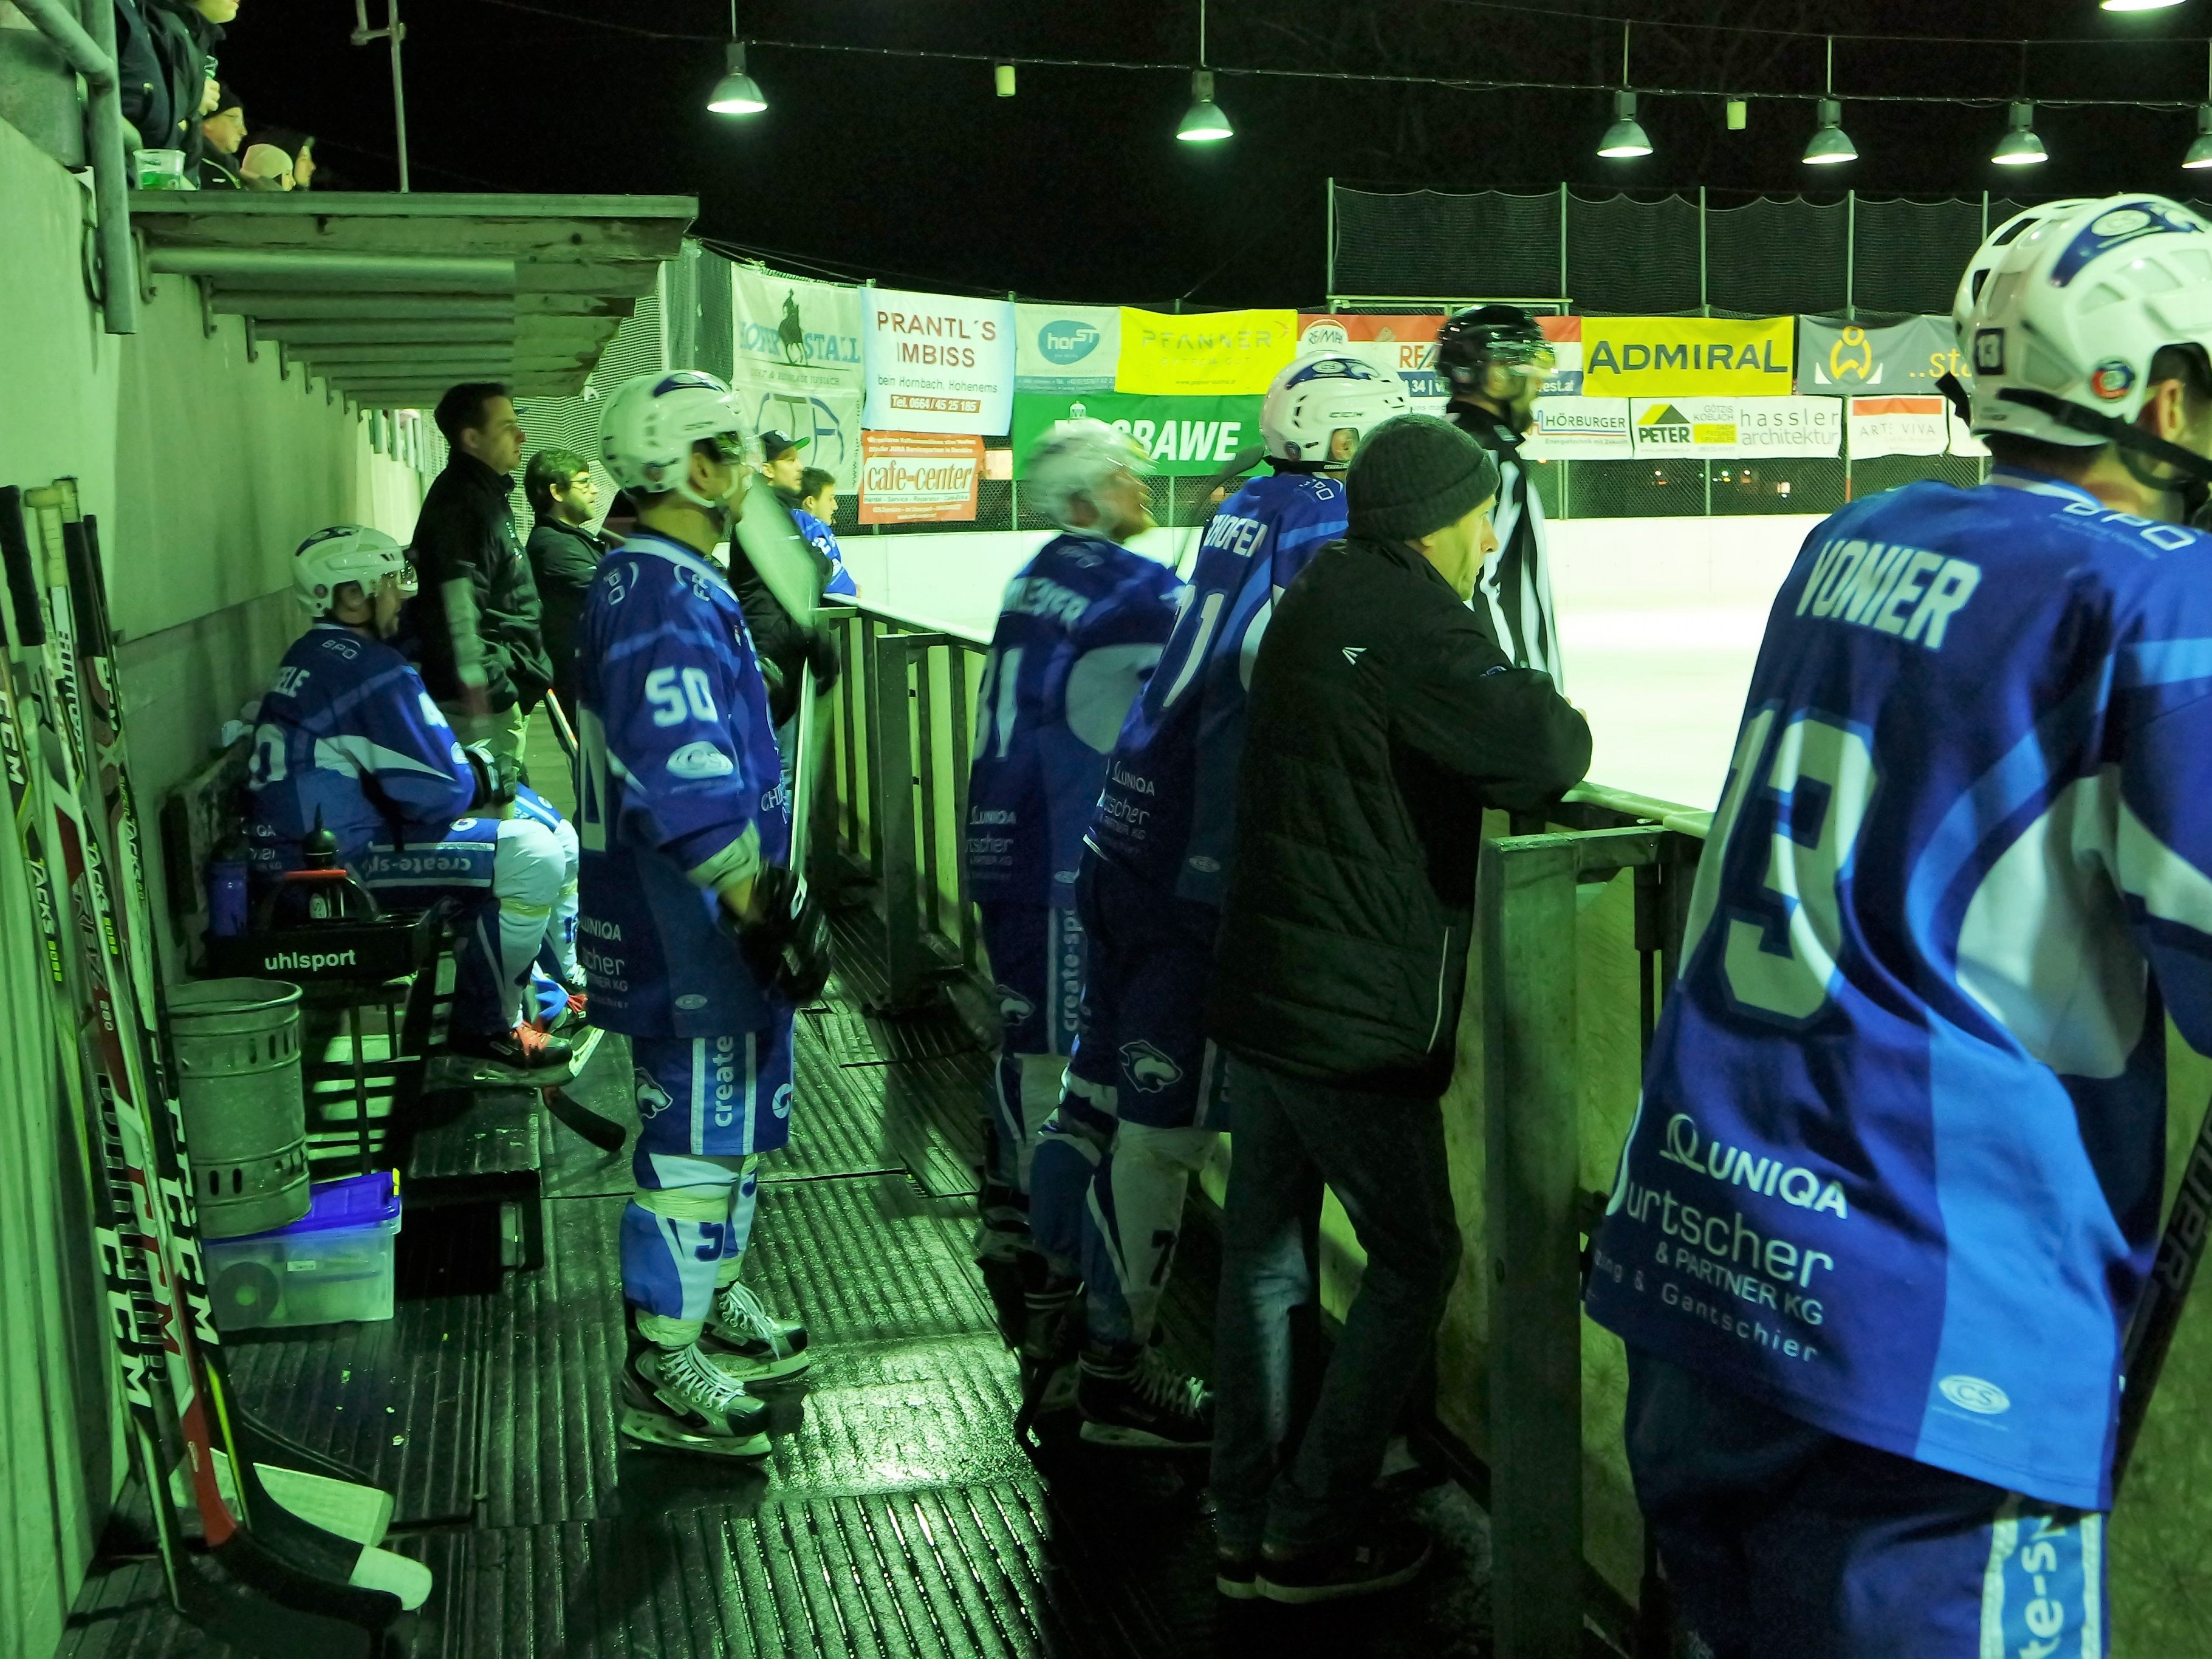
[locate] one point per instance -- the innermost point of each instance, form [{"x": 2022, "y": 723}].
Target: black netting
[
  {"x": 1871, "y": 477},
  {"x": 1425, "y": 244},
  {"x": 1908, "y": 255},
  {"x": 1627, "y": 257},
  {"x": 1804, "y": 484},
  {"x": 715, "y": 346},
  {"x": 1635, "y": 490},
  {"x": 573, "y": 423},
  {"x": 1770, "y": 258},
  {"x": 679, "y": 295}
]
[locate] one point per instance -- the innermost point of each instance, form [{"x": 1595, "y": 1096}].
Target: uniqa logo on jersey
[{"x": 1734, "y": 1166}]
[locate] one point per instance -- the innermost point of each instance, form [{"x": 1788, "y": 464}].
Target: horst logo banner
[
  {"x": 1686, "y": 356},
  {"x": 1066, "y": 348},
  {"x": 797, "y": 365},
  {"x": 1842, "y": 360},
  {"x": 1215, "y": 353},
  {"x": 1186, "y": 437},
  {"x": 909, "y": 476},
  {"x": 937, "y": 362}
]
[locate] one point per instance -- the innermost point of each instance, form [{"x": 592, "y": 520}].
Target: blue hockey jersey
[
  {"x": 1080, "y": 629},
  {"x": 1167, "y": 812},
  {"x": 823, "y": 540},
  {"x": 1897, "y": 1167},
  {"x": 678, "y": 784},
  {"x": 346, "y": 730}
]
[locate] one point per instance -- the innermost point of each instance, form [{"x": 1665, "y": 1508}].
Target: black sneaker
[
  {"x": 1380, "y": 1558},
  {"x": 523, "y": 1058},
  {"x": 1146, "y": 1406},
  {"x": 1236, "y": 1574}
]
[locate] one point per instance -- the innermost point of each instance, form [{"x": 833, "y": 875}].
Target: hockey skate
[
  {"x": 1051, "y": 1332},
  {"x": 1144, "y": 1406},
  {"x": 679, "y": 1400},
  {"x": 749, "y": 1342}
]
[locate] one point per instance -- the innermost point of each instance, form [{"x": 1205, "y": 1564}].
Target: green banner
[{"x": 1187, "y": 437}]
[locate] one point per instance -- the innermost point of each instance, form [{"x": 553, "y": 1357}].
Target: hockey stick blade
[
  {"x": 603, "y": 1132},
  {"x": 2158, "y": 1315}
]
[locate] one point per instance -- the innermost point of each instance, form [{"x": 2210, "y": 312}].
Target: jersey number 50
[{"x": 1809, "y": 853}]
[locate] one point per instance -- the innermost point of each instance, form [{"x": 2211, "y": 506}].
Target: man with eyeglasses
[
  {"x": 1495, "y": 359},
  {"x": 564, "y": 553}
]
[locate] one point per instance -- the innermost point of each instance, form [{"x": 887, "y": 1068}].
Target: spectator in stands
[
  {"x": 300, "y": 146},
  {"x": 163, "y": 74},
  {"x": 264, "y": 166},
  {"x": 564, "y": 554},
  {"x": 782, "y": 463},
  {"x": 466, "y": 532},
  {"x": 816, "y": 512},
  {"x": 1383, "y": 719},
  {"x": 223, "y": 133}
]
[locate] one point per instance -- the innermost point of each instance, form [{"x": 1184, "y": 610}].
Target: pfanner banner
[
  {"x": 1186, "y": 437},
  {"x": 907, "y": 478},
  {"x": 1582, "y": 428},
  {"x": 1687, "y": 357},
  {"x": 937, "y": 362},
  {"x": 797, "y": 365},
  {"x": 1842, "y": 360},
  {"x": 1218, "y": 354},
  {"x": 1066, "y": 348}
]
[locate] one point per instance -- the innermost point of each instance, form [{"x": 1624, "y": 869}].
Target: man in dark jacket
[
  {"x": 466, "y": 532},
  {"x": 1383, "y": 719},
  {"x": 564, "y": 553}
]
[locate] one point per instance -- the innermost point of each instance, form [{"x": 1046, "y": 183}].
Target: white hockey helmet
[
  {"x": 1323, "y": 393},
  {"x": 344, "y": 553},
  {"x": 649, "y": 425},
  {"x": 1071, "y": 461},
  {"x": 2062, "y": 308}
]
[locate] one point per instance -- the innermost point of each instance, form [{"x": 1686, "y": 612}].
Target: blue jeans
[{"x": 1383, "y": 1156}]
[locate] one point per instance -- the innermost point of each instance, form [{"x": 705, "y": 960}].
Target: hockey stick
[
  {"x": 802, "y": 777},
  {"x": 2150, "y": 1333},
  {"x": 563, "y": 733}
]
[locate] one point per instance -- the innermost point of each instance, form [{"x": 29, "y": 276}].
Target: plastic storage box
[{"x": 334, "y": 1263}]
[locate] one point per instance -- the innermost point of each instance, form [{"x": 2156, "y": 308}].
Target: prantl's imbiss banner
[
  {"x": 1186, "y": 437},
  {"x": 1686, "y": 356},
  {"x": 1066, "y": 348},
  {"x": 937, "y": 362},
  {"x": 1843, "y": 360},
  {"x": 1216, "y": 354},
  {"x": 1728, "y": 428},
  {"x": 909, "y": 476},
  {"x": 798, "y": 363}
]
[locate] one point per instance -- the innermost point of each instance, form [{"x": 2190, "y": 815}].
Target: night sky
[{"x": 913, "y": 173}]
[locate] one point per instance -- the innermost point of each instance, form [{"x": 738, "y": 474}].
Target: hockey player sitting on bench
[{"x": 347, "y": 739}]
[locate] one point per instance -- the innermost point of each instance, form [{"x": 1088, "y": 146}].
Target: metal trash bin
[{"x": 246, "y": 1118}]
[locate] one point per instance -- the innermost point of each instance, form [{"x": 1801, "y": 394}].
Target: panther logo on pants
[
  {"x": 1148, "y": 1068},
  {"x": 652, "y": 1099},
  {"x": 1013, "y": 1006}
]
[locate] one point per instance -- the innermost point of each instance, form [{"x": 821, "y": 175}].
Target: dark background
[{"x": 912, "y": 171}]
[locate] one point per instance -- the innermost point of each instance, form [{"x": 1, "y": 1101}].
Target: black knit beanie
[{"x": 1415, "y": 474}]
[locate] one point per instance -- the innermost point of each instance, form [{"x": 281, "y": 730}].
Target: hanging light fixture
[
  {"x": 1002, "y": 79},
  {"x": 1829, "y": 143},
  {"x": 2200, "y": 153},
  {"x": 2019, "y": 147},
  {"x": 2139, "y": 5},
  {"x": 1203, "y": 122},
  {"x": 737, "y": 92},
  {"x": 1625, "y": 136}
]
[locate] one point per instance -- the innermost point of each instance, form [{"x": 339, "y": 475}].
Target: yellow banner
[
  {"x": 1687, "y": 357},
  {"x": 1219, "y": 354}
]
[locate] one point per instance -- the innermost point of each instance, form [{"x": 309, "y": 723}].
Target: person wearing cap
[
  {"x": 1383, "y": 720},
  {"x": 783, "y": 464},
  {"x": 264, "y": 166},
  {"x": 224, "y": 132},
  {"x": 1495, "y": 360},
  {"x": 789, "y": 647}
]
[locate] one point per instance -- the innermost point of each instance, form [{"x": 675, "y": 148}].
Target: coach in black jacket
[{"x": 1383, "y": 719}]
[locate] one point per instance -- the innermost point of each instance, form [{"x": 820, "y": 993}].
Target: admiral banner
[
  {"x": 1686, "y": 356},
  {"x": 909, "y": 477},
  {"x": 1186, "y": 437},
  {"x": 1900, "y": 426},
  {"x": 1066, "y": 348},
  {"x": 797, "y": 362},
  {"x": 1727, "y": 429},
  {"x": 937, "y": 362},
  {"x": 1216, "y": 354},
  {"x": 1842, "y": 360},
  {"x": 1582, "y": 428}
]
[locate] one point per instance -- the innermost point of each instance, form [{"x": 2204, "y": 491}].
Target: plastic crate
[{"x": 334, "y": 1263}]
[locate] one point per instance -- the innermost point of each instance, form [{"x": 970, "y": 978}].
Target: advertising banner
[
  {"x": 1701, "y": 426},
  {"x": 1842, "y": 360},
  {"x": 1216, "y": 354},
  {"x": 937, "y": 362},
  {"x": 1793, "y": 427},
  {"x": 1406, "y": 343},
  {"x": 1066, "y": 348},
  {"x": 1186, "y": 437},
  {"x": 1686, "y": 356},
  {"x": 909, "y": 477},
  {"x": 797, "y": 363},
  {"x": 1900, "y": 426},
  {"x": 1565, "y": 334},
  {"x": 1582, "y": 428}
]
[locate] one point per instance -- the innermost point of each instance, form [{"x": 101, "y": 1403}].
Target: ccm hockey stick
[
  {"x": 266, "y": 1600},
  {"x": 2150, "y": 1333}
]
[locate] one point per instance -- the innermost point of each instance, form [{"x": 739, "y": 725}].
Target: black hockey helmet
[{"x": 1482, "y": 335}]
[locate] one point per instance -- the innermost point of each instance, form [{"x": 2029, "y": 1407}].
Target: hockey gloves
[
  {"x": 787, "y": 946},
  {"x": 496, "y": 778}
]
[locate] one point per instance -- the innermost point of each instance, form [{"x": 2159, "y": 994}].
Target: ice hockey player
[
  {"x": 1893, "y": 1188},
  {"x": 1081, "y": 626},
  {"x": 1495, "y": 359},
  {"x": 699, "y": 945},
  {"x": 347, "y": 739},
  {"x": 1142, "y": 1106}
]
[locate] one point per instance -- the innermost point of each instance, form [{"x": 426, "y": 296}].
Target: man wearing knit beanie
[{"x": 1384, "y": 718}]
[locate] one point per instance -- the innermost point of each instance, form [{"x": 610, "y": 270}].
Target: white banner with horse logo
[{"x": 798, "y": 364}]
